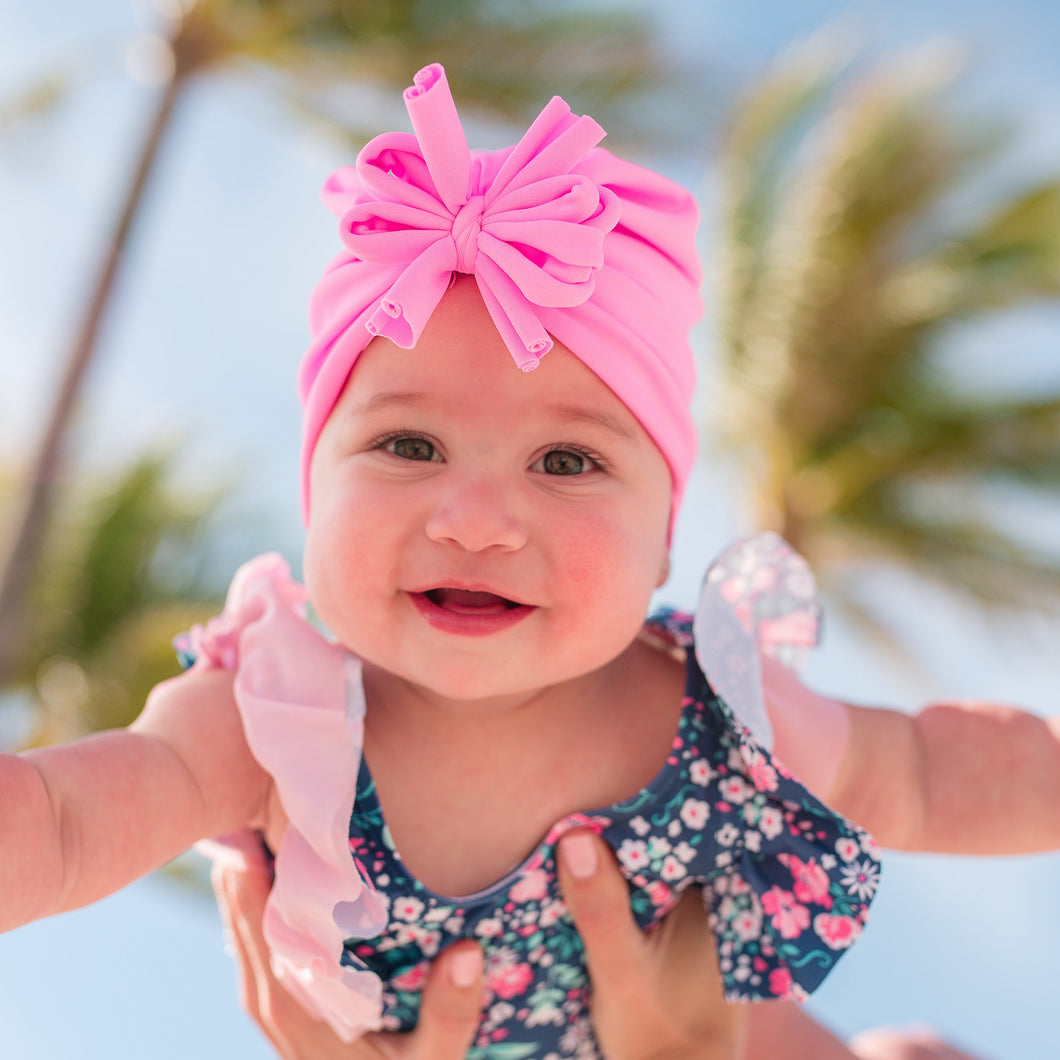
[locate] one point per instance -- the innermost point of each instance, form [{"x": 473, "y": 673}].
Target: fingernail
[
  {"x": 466, "y": 966},
  {"x": 579, "y": 855}
]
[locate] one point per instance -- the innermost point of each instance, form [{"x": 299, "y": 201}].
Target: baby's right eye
[{"x": 410, "y": 447}]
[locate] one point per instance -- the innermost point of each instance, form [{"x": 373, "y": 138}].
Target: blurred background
[{"x": 880, "y": 185}]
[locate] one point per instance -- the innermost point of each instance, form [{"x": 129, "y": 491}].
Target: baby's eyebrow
[
  {"x": 595, "y": 416},
  {"x": 565, "y": 413},
  {"x": 387, "y": 399}
]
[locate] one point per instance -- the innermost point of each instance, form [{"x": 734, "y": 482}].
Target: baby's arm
[
  {"x": 80, "y": 820},
  {"x": 965, "y": 777}
]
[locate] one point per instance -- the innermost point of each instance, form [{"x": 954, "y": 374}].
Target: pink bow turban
[{"x": 565, "y": 241}]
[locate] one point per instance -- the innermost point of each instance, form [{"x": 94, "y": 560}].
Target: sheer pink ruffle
[{"x": 302, "y": 705}]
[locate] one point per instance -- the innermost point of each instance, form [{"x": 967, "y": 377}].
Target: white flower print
[
  {"x": 545, "y": 1015},
  {"x": 727, "y": 834},
  {"x": 672, "y": 868},
  {"x": 847, "y": 848},
  {"x": 489, "y": 928},
  {"x": 771, "y": 822},
  {"x": 699, "y": 772},
  {"x": 695, "y": 813},
  {"x": 633, "y": 853},
  {"x": 735, "y": 789},
  {"x": 551, "y": 912},
  {"x": 502, "y": 1011},
  {"x": 747, "y": 924},
  {"x": 860, "y": 878},
  {"x": 640, "y": 826},
  {"x": 438, "y": 914},
  {"x": 870, "y": 846},
  {"x": 828, "y": 862},
  {"x": 406, "y": 908},
  {"x": 685, "y": 851},
  {"x": 673, "y": 829},
  {"x": 752, "y": 840},
  {"x": 658, "y": 847},
  {"x": 576, "y": 1037},
  {"x": 723, "y": 860}
]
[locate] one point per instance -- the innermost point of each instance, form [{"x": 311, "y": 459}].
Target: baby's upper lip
[{"x": 467, "y": 587}]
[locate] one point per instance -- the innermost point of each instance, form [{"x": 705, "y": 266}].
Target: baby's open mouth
[{"x": 469, "y": 602}]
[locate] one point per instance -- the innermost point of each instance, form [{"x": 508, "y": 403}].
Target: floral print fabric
[{"x": 787, "y": 882}]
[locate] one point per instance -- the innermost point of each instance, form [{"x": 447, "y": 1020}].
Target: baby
[{"x": 497, "y": 438}]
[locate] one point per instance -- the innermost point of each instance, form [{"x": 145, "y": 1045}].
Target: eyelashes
[{"x": 416, "y": 447}]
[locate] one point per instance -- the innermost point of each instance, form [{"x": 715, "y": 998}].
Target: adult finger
[
  {"x": 656, "y": 995},
  {"x": 293, "y": 1032},
  {"x": 598, "y": 901},
  {"x": 450, "y": 1007}
]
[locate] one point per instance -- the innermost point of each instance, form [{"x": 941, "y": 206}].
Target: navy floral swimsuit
[{"x": 787, "y": 882}]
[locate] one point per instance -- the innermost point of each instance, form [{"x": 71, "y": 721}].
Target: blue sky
[{"x": 201, "y": 351}]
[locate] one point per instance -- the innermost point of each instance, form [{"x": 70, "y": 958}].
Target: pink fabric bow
[{"x": 529, "y": 230}]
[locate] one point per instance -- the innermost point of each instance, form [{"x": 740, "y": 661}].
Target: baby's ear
[{"x": 664, "y": 570}]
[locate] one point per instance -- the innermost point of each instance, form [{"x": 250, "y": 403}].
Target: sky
[{"x": 200, "y": 353}]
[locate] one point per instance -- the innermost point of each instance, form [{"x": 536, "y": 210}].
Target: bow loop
[{"x": 530, "y": 231}]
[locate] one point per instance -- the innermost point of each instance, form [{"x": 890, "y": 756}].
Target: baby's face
[{"x": 479, "y": 531}]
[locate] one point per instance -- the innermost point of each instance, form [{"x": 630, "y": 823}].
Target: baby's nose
[{"x": 477, "y": 514}]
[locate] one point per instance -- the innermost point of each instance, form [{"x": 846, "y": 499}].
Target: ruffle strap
[
  {"x": 303, "y": 714},
  {"x": 801, "y": 877}
]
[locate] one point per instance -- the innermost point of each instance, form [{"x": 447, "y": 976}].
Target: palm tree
[
  {"x": 500, "y": 55},
  {"x": 124, "y": 567},
  {"x": 857, "y": 236}
]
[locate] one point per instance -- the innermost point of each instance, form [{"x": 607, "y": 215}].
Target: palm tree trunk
[{"x": 32, "y": 509}]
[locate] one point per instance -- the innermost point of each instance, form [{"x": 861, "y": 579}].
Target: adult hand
[
  {"x": 656, "y": 995},
  {"x": 449, "y": 1013}
]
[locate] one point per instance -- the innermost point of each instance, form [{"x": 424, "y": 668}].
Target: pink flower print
[
  {"x": 694, "y": 813},
  {"x": 531, "y": 887},
  {"x": 771, "y": 822},
  {"x": 780, "y": 982},
  {"x": 699, "y": 772},
  {"x": 763, "y": 775},
  {"x": 847, "y": 848},
  {"x": 811, "y": 881},
  {"x": 505, "y": 976},
  {"x": 659, "y": 894},
  {"x": 870, "y": 846},
  {"x": 633, "y": 853},
  {"x": 839, "y": 932},
  {"x": 413, "y": 979},
  {"x": 785, "y": 914}
]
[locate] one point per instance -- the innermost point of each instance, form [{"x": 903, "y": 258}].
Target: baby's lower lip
[{"x": 468, "y": 613}]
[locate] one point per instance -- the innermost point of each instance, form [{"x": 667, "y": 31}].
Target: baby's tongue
[{"x": 466, "y": 602}]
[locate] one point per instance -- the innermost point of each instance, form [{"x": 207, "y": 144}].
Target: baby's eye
[
  {"x": 411, "y": 447},
  {"x": 566, "y": 462}
]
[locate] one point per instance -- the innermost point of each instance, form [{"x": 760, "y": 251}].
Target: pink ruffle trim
[{"x": 303, "y": 714}]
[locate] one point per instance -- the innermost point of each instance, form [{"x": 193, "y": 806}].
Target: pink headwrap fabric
[{"x": 565, "y": 241}]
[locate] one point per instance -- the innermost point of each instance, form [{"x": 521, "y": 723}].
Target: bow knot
[
  {"x": 522, "y": 221},
  {"x": 466, "y": 228}
]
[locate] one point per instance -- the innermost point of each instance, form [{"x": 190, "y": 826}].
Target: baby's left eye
[{"x": 566, "y": 462}]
